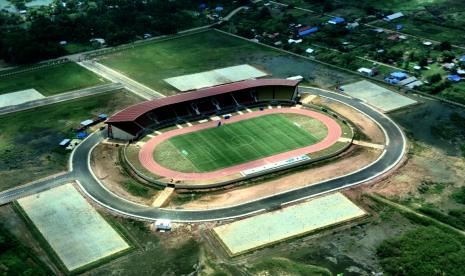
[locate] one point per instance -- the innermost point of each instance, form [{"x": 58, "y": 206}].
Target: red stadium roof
[{"x": 133, "y": 112}]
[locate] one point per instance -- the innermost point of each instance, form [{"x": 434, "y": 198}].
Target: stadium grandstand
[{"x": 137, "y": 120}]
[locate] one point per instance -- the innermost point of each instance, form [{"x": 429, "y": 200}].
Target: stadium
[{"x": 216, "y": 136}]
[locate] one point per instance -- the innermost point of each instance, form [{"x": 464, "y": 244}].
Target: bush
[
  {"x": 459, "y": 195},
  {"x": 423, "y": 251}
]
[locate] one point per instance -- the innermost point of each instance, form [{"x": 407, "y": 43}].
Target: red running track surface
[{"x": 147, "y": 160}]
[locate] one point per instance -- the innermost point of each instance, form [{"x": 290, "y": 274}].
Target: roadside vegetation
[
  {"x": 29, "y": 139},
  {"x": 16, "y": 258}
]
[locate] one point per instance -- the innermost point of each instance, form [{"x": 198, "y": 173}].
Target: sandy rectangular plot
[
  {"x": 258, "y": 231},
  {"x": 76, "y": 232},
  {"x": 19, "y": 97},
  {"x": 377, "y": 96},
  {"x": 215, "y": 77}
]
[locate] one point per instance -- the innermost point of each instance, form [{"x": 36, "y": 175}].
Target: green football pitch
[{"x": 231, "y": 144}]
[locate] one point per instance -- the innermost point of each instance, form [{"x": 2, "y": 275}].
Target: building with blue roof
[
  {"x": 462, "y": 59},
  {"x": 454, "y": 78},
  {"x": 398, "y": 75},
  {"x": 307, "y": 30},
  {"x": 336, "y": 20}
]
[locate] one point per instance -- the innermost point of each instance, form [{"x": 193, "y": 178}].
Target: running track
[{"x": 147, "y": 160}]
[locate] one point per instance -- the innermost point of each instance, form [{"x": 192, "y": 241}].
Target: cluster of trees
[{"x": 117, "y": 21}]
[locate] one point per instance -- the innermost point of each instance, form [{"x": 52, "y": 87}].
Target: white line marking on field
[
  {"x": 203, "y": 121},
  {"x": 215, "y": 118}
]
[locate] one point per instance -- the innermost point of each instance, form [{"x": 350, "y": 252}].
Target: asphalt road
[
  {"x": 392, "y": 155},
  {"x": 81, "y": 172},
  {"x": 62, "y": 97}
]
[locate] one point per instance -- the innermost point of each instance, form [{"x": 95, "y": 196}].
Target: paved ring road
[{"x": 393, "y": 153}]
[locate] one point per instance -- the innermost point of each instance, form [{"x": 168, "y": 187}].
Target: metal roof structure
[{"x": 133, "y": 112}]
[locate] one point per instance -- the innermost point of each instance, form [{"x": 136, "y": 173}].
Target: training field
[
  {"x": 215, "y": 77},
  {"x": 259, "y": 231},
  {"x": 239, "y": 142},
  {"x": 75, "y": 231},
  {"x": 19, "y": 97},
  {"x": 377, "y": 96}
]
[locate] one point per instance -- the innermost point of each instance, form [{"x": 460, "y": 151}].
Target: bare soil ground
[
  {"x": 357, "y": 158},
  {"x": 106, "y": 167},
  {"x": 371, "y": 130}
]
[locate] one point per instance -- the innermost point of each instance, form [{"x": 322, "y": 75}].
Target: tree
[{"x": 445, "y": 46}]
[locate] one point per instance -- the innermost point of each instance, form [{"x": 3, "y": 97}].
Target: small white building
[
  {"x": 162, "y": 225},
  {"x": 309, "y": 51},
  {"x": 427, "y": 43},
  {"x": 366, "y": 71},
  {"x": 394, "y": 16},
  {"x": 299, "y": 78}
]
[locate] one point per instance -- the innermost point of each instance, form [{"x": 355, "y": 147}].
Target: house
[
  {"x": 378, "y": 30},
  {"x": 63, "y": 43},
  {"x": 98, "y": 41},
  {"x": 414, "y": 84},
  {"x": 277, "y": 43},
  {"x": 449, "y": 66},
  {"x": 399, "y": 27},
  {"x": 393, "y": 37},
  {"x": 462, "y": 59},
  {"x": 352, "y": 25},
  {"x": 408, "y": 81},
  {"x": 307, "y": 30},
  {"x": 454, "y": 78},
  {"x": 296, "y": 41},
  {"x": 336, "y": 20},
  {"x": 87, "y": 123},
  {"x": 394, "y": 16},
  {"x": 403, "y": 37},
  {"x": 366, "y": 71},
  {"x": 417, "y": 67},
  {"x": 427, "y": 43},
  {"x": 460, "y": 72}
]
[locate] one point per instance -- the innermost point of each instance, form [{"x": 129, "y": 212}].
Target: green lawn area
[
  {"x": 151, "y": 63},
  {"x": 29, "y": 139},
  {"x": 231, "y": 144},
  {"x": 51, "y": 80}
]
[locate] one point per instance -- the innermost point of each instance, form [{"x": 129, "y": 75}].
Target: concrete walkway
[{"x": 116, "y": 77}]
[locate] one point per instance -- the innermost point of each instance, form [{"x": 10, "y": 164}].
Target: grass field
[
  {"x": 29, "y": 139},
  {"x": 51, "y": 80},
  {"x": 150, "y": 64},
  {"x": 231, "y": 144}
]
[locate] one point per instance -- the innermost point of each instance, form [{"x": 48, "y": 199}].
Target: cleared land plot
[
  {"x": 150, "y": 64},
  {"x": 219, "y": 147},
  {"x": 72, "y": 227},
  {"x": 29, "y": 139},
  {"x": 377, "y": 96},
  {"x": 19, "y": 97},
  {"x": 255, "y": 232},
  {"x": 51, "y": 80},
  {"x": 215, "y": 77}
]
